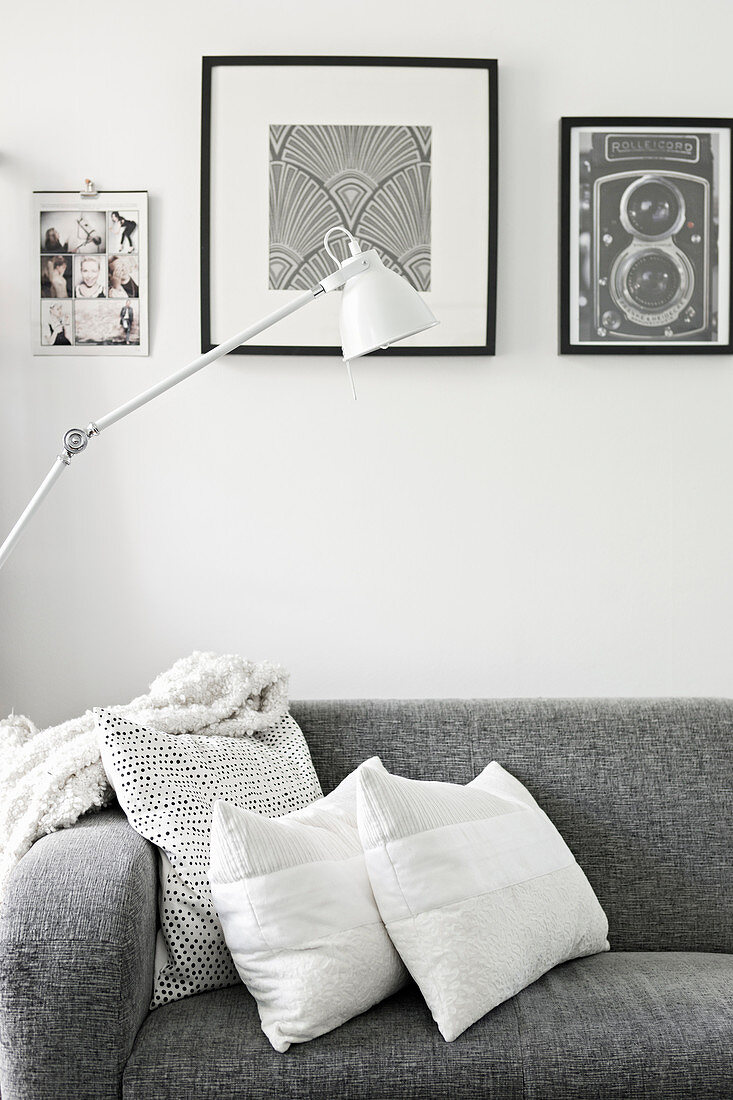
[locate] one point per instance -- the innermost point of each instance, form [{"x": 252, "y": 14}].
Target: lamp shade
[{"x": 378, "y": 308}]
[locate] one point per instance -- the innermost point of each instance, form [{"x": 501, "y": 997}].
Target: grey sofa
[{"x": 642, "y": 791}]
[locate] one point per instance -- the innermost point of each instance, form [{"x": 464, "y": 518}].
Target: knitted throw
[{"x": 49, "y": 778}]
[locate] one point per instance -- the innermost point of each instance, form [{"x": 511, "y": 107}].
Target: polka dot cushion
[{"x": 167, "y": 785}]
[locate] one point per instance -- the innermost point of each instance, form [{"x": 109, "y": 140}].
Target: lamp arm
[
  {"x": 60, "y": 464},
  {"x": 76, "y": 439},
  {"x": 204, "y": 360}
]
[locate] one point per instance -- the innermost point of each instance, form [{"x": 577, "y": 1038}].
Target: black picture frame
[
  {"x": 645, "y": 236},
  {"x": 484, "y": 341}
]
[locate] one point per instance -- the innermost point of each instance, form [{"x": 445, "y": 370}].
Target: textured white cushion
[
  {"x": 167, "y": 785},
  {"x": 478, "y": 890},
  {"x": 299, "y": 916}
]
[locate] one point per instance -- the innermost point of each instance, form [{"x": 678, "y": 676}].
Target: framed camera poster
[
  {"x": 645, "y": 235},
  {"x": 402, "y": 152},
  {"x": 89, "y": 275}
]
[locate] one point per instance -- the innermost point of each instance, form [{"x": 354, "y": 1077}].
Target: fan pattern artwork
[{"x": 374, "y": 180}]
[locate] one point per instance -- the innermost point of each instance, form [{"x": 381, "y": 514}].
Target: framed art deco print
[{"x": 400, "y": 151}]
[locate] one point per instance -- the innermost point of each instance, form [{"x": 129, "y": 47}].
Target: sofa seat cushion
[
  {"x": 656, "y": 1024},
  {"x": 211, "y": 1047},
  {"x": 630, "y": 1024},
  {"x": 651, "y": 1024}
]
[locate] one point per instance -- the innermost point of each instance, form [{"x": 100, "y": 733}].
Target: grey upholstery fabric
[
  {"x": 628, "y": 1024},
  {"x": 617, "y": 1025},
  {"x": 211, "y": 1047},
  {"x": 77, "y": 939},
  {"x": 641, "y": 790}
]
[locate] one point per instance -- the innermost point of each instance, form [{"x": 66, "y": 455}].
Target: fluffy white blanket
[{"x": 49, "y": 778}]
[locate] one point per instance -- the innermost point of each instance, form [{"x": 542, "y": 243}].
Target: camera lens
[
  {"x": 652, "y": 281},
  {"x": 652, "y": 208}
]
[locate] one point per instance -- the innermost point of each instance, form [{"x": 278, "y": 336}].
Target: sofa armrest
[{"x": 77, "y": 946}]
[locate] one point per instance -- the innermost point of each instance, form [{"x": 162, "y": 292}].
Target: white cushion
[
  {"x": 167, "y": 785},
  {"x": 299, "y": 916},
  {"x": 478, "y": 890}
]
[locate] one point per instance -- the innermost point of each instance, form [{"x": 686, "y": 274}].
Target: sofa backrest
[{"x": 641, "y": 790}]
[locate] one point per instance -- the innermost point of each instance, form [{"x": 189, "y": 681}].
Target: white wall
[{"x": 523, "y": 525}]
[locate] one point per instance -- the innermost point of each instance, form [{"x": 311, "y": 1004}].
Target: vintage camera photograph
[{"x": 645, "y": 235}]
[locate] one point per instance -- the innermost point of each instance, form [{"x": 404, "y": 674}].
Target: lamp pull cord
[{"x": 351, "y": 378}]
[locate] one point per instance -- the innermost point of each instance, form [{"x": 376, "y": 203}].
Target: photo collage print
[{"x": 90, "y": 277}]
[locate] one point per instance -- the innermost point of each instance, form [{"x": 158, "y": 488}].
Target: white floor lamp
[{"x": 378, "y": 308}]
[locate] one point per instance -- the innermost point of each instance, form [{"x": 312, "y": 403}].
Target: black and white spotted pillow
[{"x": 167, "y": 785}]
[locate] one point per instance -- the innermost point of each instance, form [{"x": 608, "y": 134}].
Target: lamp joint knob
[{"x": 75, "y": 440}]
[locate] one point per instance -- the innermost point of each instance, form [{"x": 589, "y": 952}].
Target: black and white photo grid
[{"x": 91, "y": 277}]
